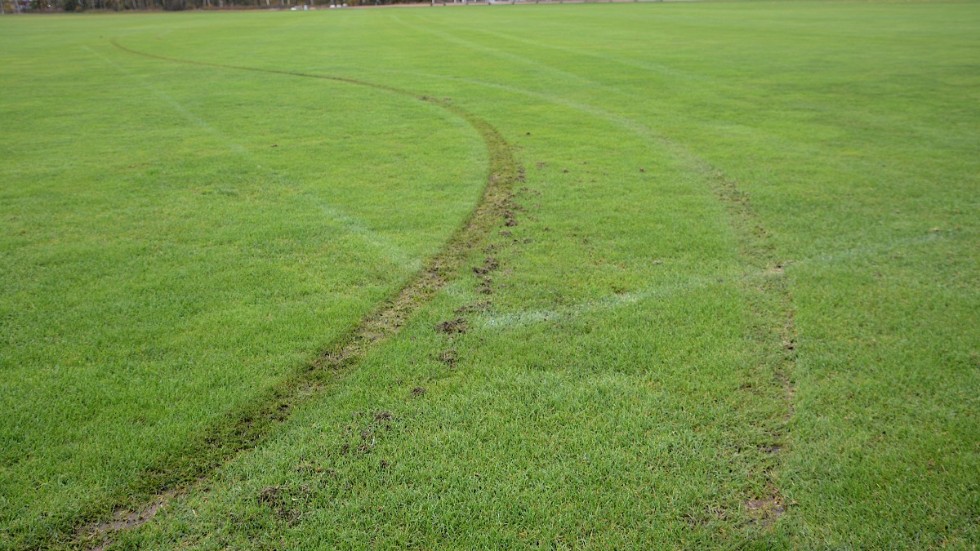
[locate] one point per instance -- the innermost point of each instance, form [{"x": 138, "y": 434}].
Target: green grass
[{"x": 743, "y": 275}]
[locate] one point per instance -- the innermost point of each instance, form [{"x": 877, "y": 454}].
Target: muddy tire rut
[{"x": 244, "y": 429}]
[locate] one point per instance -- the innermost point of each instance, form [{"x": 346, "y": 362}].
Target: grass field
[{"x": 684, "y": 275}]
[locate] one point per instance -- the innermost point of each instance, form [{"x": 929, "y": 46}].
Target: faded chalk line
[
  {"x": 346, "y": 222},
  {"x": 505, "y": 320}
]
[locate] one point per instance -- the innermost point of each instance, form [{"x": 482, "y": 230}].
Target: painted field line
[{"x": 507, "y": 320}]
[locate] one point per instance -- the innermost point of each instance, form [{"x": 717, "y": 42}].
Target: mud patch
[
  {"x": 286, "y": 506},
  {"x": 449, "y": 357},
  {"x": 456, "y": 326},
  {"x": 485, "y": 287},
  {"x": 97, "y": 537},
  {"x": 765, "y": 511},
  {"x": 473, "y": 308},
  {"x": 484, "y": 271},
  {"x": 489, "y": 265}
]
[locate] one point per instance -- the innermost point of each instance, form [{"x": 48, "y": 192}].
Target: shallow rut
[{"x": 243, "y": 429}]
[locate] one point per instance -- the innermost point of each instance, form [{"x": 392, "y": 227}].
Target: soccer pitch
[{"x": 629, "y": 275}]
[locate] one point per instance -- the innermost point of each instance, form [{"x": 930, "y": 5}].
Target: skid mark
[
  {"x": 772, "y": 326},
  {"x": 242, "y": 430},
  {"x": 682, "y": 153},
  {"x": 771, "y": 314},
  {"x": 123, "y": 520}
]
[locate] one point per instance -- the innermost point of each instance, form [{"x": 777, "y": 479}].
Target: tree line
[{"x": 37, "y": 6}]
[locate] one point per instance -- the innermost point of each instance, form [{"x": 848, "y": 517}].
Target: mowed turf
[{"x": 735, "y": 306}]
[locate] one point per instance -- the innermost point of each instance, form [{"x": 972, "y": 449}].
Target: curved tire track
[
  {"x": 244, "y": 429},
  {"x": 771, "y": 307}
]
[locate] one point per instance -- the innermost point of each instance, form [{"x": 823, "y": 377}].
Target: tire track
[
  {"x": 772, "y": 326},
  {"x": 242, "y": 430}
]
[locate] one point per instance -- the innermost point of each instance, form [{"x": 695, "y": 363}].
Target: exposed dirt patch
[
  {"x": 98, "y": 537},
  {"x": 418, "y": 391},
  {"x": 529, "y": 192},
  {"x": 453, "y": 327},
  {"x": 271, "y": 495},
  {"x": 489, "y": 264},
  {"x": 449, "y": 357},
  {"x": 482, "y": 306},
  {"x": 765, "y": 511},
  {"x": 484, "y": 271},
  {"x": 287, "y": 507},
  {"x": 485, "y": 287}
]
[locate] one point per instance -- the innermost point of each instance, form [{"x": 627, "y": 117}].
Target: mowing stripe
[
  {"x": 391, "y": 251},
  {"x": 244, "y": 429}
]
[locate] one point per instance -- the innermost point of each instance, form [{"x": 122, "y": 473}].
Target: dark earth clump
[
  {"x": 449, "y": 357},
  {"x": 475, "y": 307},
  {"x": 489, "y": 265},
  {"x": 452, "y": 327},
  {"x": 281, "y": 504},
  {"x": 485, "y": 287}
]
